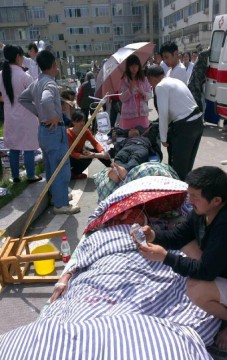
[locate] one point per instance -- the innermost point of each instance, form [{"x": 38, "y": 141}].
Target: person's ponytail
[
  {"x": 10, "y": 54},
  {"x": 7, "y": 80}
]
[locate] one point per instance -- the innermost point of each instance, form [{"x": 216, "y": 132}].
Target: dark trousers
[
  {"x": 79, "y": 165},
  {"x": 86, "y": 112},
  {"x": 131, "y": 156},
  {"x": 183, "y": 139},
  {"x": 115, "y": 108}
]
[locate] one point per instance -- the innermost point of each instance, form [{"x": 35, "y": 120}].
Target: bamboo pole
[{"x": 47, "y": 186}]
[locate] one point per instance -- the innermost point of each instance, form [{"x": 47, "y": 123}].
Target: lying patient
[
  {"x": 116, "y": 305},
  {"x": 132, "y": 151},
  {"x": 127, "y": 217}
]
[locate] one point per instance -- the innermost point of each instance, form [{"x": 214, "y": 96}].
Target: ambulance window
[{"x": 216, "y": 46}]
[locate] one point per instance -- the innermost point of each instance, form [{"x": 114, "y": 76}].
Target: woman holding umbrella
[{"x": 135, "y": 92}]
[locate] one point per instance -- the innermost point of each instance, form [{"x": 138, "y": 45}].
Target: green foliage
[
  {"x": 16, "y": 189},
  {"x": 1, "y": 128}
]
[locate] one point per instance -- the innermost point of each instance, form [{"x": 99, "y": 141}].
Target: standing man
[
  {"x": 170, "y": 55},
  {"x": 180, "y": 121},
  {"x": 42, "y": 98},
  {"x": 197, "y": 79},
  {"x": 31, "y": 62}
]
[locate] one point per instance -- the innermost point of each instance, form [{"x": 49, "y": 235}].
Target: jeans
[
  {"x": 54, "y": 144},
  {"x": 29, "y": 162}
]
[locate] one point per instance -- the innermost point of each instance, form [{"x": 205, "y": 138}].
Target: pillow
[{"x": 105, "y": 186}]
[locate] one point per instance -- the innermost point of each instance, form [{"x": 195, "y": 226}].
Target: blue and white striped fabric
[{"x": 118, "y": 306}]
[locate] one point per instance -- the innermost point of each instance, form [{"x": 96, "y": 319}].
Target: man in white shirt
[
  {"x": 180, "y": 121},
  {"x": 169, "y": 53},
  {"x": 31, "y": 63}
]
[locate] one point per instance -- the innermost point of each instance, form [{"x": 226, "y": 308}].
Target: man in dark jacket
[
  {"x": 203, "y": 238},
  {"x": 83, "y": 100}
]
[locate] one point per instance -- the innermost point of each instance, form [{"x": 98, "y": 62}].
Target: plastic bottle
[
  {"x": 65, "y": 250},
  {"x": 138, "y": 233}
]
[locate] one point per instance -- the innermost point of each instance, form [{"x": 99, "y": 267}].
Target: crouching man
[{"x": 203, "y": 238}]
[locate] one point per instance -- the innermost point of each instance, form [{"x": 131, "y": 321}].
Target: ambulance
[{"x": 216, "y": 75}]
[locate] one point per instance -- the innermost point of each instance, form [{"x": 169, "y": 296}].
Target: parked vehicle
[{"x": 216, "y": 75}]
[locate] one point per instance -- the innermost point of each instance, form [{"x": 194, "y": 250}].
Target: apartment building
[
  {"x": 80, "y": 31},
  {"x": 188, "y": 22}
]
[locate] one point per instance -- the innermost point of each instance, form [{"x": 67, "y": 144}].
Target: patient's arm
[
  {"x": 61, "y": 286},
  {"x": 117, "y": 173}
]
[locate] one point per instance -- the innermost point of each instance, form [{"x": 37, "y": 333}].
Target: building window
[
  {"x": 22, "y": 34},
  {"x": 55, "y": 18},
  {"x": 103, "y": 46},
  {"x": 78, "y": 30},
  {"x": 80, "y": 47},
  {"x": 136, "y": 28},
  {"x": 136, "y": 10},
  {"x": 2, "y": 35},
  {"x": 56, "y": 37},
  {"x": 12, "y": 14},
  {"x": 61, "y": 54},
  {"x": 34, "y": 33},
  {"x": 118, "y": 30},
  {"x": 36, "y": 13},
  {"x": 168, "y": 2},
  {"x": 101, "y": 10},
  {"x": 101, "y": 29},
  {"x": 118, "y": 45},
  {"x": 76, "y": 12},
  {"x": 118, "y": 10}
]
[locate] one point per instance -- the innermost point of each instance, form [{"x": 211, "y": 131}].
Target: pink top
[{"x": 134, "y": 111}]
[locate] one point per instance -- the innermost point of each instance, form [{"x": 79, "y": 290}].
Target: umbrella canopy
[
  {"x": 109, "y": 77},
  {"x": 165, "y": 194}
]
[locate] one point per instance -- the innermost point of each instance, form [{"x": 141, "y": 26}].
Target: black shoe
[
  {"x": 35, "y": 179},
  {"x": 16, "y": 180}
]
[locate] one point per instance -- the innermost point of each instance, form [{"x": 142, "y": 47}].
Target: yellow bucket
[{"x": 44, "y": 267}]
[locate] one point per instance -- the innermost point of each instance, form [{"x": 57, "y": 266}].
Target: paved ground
[{"x": 21, "y": 304}]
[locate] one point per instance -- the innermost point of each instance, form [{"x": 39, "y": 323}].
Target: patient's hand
[
  {"x": 60, "y": 287},
  {"x": 152, "y": 252}
]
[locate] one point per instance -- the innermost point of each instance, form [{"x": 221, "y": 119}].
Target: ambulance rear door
[{"x": 216, "y": 82}]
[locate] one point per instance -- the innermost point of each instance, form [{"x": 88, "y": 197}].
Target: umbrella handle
[{"x": 106, "y": 96}]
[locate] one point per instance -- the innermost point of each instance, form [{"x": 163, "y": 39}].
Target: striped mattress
[{"x": 119, "y": 306}]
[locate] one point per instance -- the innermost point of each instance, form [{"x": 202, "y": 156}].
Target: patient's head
[
  {"x": 133, "y": 133},
  {"x": 130, "y": 216}
]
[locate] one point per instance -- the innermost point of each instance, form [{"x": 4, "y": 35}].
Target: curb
[{"x": 15, "y": 213}]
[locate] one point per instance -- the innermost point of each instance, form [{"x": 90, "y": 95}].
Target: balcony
[
  {"x": 10, "y": 3},
  {"x": 141, "y": 2}
]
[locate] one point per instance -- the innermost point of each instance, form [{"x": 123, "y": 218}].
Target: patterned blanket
[{"x": 105, "y": 186}]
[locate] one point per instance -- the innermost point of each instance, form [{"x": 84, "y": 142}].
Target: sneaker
[
  {"x": 224, "y": 162},
  {"x": 66, "y": 210}
]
